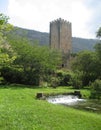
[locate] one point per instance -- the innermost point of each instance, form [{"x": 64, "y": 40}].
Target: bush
[
  {"x": 64, "y": 77},
  {"x": 11, "y": 75},
  {"x": 54, "y": 82},
  {"x": 96, "y": 89},
  {"x": 18, "y": 76},
  {"x": 68, "y": 78},
  {"x": 2, "y": 81},
  {"x": 76, "y": 80}
]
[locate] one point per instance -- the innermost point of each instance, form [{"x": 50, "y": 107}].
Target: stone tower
[{"x": 61, "y": 37}]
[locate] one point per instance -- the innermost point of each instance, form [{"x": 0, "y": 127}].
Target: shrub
[
  {"x": 2, "y": 81},
  {"x": 54, "y": 82},
  {"x": 18, "y": 76},
  {"x": 64, "y": 77},
  {"x": 11, "y": 75},
  {"x": 76, "y": 80},
  {"x": 96, "y": 89}
]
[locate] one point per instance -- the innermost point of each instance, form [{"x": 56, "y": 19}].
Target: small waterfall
[{"x": 64, "y": 99}]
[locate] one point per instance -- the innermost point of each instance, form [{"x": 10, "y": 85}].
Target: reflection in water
[{"x": 64, "y": 99}]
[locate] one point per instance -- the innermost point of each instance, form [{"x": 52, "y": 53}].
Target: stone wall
[{"x": 61, "y": 35}]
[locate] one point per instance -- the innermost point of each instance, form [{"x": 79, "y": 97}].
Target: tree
[
  {"x": 6, "y": 52},
  {"x": 96, "y": 89},
  {"x": 36, "y": 62},
  {"x": 3, "y": 19},
  {"x": 98, "y": 52},
  {"x": 5, "y": 49},
  {"x": 4, "y": 25},
  {"x": 98, "y": 45},
  {"x": 98, "y": 34},
  {"x": 85, "y": 62}
]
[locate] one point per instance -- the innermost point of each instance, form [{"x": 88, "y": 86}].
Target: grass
[{"x": 20, "y": 110}]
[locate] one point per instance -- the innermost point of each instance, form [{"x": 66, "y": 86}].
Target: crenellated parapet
[{"x": 60, "y": 20}]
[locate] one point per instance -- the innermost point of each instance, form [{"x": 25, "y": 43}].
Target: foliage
[
  {"x": 2, "y": 81},
  {"x": 54, "y": 81},
  {"x": 22, "y": 62},
  {"x": 76, "y": 80},
  {"x": 98, "y": 50},
  {"x": 6, "y": 53},
  {"x": 5, "y": 49},
  {"x": 64, "y": 77},
  {"x": 4, "y": 25},
  {"x": 98, "y": 53},
  {"x": 96, "y": 89},
  {"x": 98, "y": 60},
  {"x": 98, "y": 34},
  {"x": 3, "y": 19},
  {"x": 83, "y": 61},
  {"x": 35, "y": 61},
  {"x": 87, "y": 63},
  {"x": 12, "y": 75}
]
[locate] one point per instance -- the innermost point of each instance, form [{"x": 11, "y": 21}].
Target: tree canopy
[
  {"x": 98, "y": 34},
  {"x": 5, "y": 48},
  {"x": 33, "y": 62}
]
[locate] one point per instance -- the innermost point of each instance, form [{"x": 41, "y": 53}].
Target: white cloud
[
  {"x": 80, "y": 19},
  {"x": 95, "y": 20},
  {"x": 36, "y": 14}
]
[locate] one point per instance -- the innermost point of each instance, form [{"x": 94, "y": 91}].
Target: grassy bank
[{"x": 19, "y": 110}]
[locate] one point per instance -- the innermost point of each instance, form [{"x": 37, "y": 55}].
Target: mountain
[{"x": 78, "y": 44}]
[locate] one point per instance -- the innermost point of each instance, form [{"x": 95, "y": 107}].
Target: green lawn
[{"x": 19, "y": 110}]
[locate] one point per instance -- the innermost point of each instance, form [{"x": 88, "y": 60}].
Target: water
[
  {"x": 64, "y": 99},
  {"x": 75, "y": 102}
]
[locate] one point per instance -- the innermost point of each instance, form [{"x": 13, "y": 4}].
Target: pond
[{"x": 75, "y": 102}]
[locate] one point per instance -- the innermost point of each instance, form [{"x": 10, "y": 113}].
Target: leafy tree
[
  {"x": 36, "y": 62},
  {"x": 5, "y": 49},
  {"x": 85, "y": 62},
  {"x": 99, "y": 33},
  {"x": 6, "y": 53},
  {"x": 98, "y": 50},
  {"x": 76, "y": 80},
  {"x": 4, "y": 25},
  {"x": 98, "y": 45},
  {"x": 98, "y": 59},
  {"x": 64, "y": 77},
  {"x": 3, "y": 19},
  {"x": 96, "y": 89}
]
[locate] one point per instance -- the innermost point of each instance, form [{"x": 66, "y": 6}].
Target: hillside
[{"x": 78, "y": 44}]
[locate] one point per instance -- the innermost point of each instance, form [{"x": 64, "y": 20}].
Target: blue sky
[
  {"x": 3, "y": 6},
  {"x": 84, "y": 15}
]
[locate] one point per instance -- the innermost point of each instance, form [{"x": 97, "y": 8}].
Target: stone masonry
[{"x": 61, "y": 37}]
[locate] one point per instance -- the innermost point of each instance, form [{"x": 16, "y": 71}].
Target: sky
[{"x": 37, "y": 14}]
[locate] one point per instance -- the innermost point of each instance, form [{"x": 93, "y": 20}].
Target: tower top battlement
[{"x": 60, "y": 20}]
